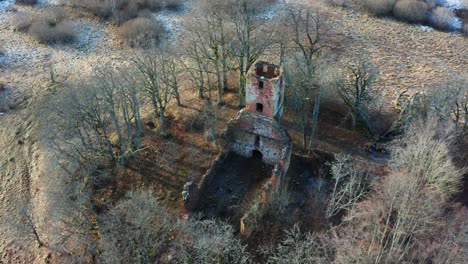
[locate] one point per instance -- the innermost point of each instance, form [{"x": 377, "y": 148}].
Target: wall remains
[{"x": 255, "y": 129}]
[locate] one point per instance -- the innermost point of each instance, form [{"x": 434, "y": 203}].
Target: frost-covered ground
[
  {"x": 274, "y": 10},
  {"x": 172, "y": 21},
  {"x": 455, "y": 4},
  {"x": 43, "y": 3},
  {"x": 5, "y": 4}
]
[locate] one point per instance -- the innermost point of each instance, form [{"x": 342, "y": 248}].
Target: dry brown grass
[{"x": 411, "y": 11}]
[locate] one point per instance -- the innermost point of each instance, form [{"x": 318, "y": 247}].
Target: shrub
[
  {"x": 379, "y": 7},
  {"x": 408, "y": 207},
  {"x": 26, "y": 2},
  {"x": 100, "y": 9},
  {"x": 141, "y": 32},
  {"x": 55, "y": 15},
  {"x": 140, "y": 230},
  {"x": 193, "y": 121},
  {"x": 136, "y": 228},
  {"x": 411, "y": 11},
  {"x": 174, "y": 4},
  {"x": 22, "y": 22},
  {"x": 298, "y": 247},
  {"x": 124, "y": 9},
  {"x": 51, "y": 27},
  {"x": 209, "y": 241},
  {"x": 443, "y": 18},
  {"x": 342, "y": 3},
  {"x": 45, "y": 33},
  {"x": 424, "y": 153}
]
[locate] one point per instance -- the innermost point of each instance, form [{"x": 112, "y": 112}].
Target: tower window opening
[
  {"x": 260, "y": 85},
  {"x": 259, "y": 108}
]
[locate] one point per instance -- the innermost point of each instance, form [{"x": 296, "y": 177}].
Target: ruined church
[{"x": 257, "y": 150}]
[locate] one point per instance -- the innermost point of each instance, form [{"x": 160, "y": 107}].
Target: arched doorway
[{"x": 257, "y": 155}]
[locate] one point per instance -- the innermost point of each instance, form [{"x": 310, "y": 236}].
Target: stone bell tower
[{"x": 265, "y": 90}]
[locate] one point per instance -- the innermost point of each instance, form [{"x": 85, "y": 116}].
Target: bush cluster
[
  {"x": 442, "y": 18},
  {"x": 139, "y": 228},
  {"x": 62, "y": 32},
  {"x": 379, "y": 7},
  {"x": 26, "y": 2},
  {"x": 51, "y": 27},
  {"x": 120, "y": 11},
  {"x": 413, "y": 11},
  {"x": 410, "y": 11},
  {"x": 141, "y": 32}
]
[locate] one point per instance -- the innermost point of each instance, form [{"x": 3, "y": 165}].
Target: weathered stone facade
[{"x": 255, "y": 130}]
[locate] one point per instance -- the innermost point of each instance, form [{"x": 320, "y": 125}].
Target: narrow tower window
[
  {"x": 259, "y": 108},
  {"x": 260, "y": 85}
]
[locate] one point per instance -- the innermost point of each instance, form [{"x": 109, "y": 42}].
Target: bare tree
[
  {"x": 208, "y": 39},
  {"x": 357, "y": 91},
  {"x": 100, "y": 117},
  {"x": 298, "y": 247},
  {"x": 210, "y": 241},
  {"x": 305, "y": 56},
  {"x": 170, "y": 73},
  {"x": 404, "y": 213},
  {"x": 252, "y": 37},
  {"x": 139, "y": 230},
  {"x": 195, "y": 67},
  {"x": 450, "y": 101},
  {"x": 136, "y": 230},
  {"x": 311, "y": 37},
  {"x": 158, "y": 77},
  {"x": 350, "y": 184}
]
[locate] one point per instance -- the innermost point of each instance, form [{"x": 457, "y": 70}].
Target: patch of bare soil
[{"x": 227, "y": 185}]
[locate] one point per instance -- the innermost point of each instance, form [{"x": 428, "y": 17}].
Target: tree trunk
[
  {"x": 176, "y": 88},
  {"x": 225, "y": 70},
  {"x": 220, "y": 85},
  {"x": 109, "y": 144},
  {"x": 163, "y": 122},
  {"x": 242, "y": 84}
]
